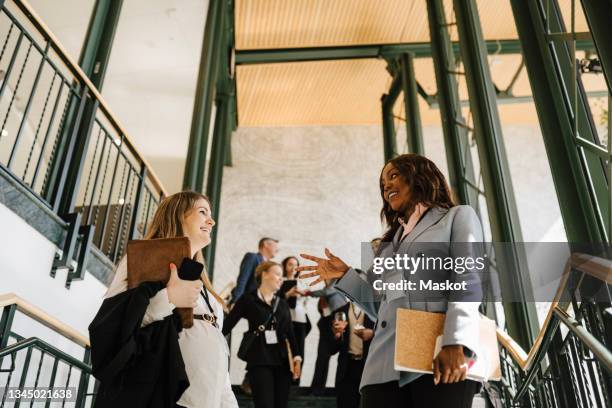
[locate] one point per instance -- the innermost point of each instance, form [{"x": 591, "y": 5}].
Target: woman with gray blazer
[{"x": 423, "y": 222}]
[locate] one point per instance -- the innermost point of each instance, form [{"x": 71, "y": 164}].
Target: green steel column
[
  {"x": 195, "y": 163},
  {"x": 521, "y": 317},
  {"x": 224, "y": 126},
  {"x": 544, "y": 61},
  {"x": 599, "y": 15},
  {"x": 98, "y": 44},
  {"x": 456, "y": 141},
  {"x": 414, "y": 129},
  {"x": 388, "y": 123},
  {"x": 221, "y": 134}
]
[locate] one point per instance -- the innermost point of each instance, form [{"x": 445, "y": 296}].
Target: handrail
[
  {"x": 593, "y": 266},
  {"x": 29, "y": 12},
  {"x": 43, "y": 318},
  {"x": 599, "y": 350},
  {"x": 35, "y": 341}
]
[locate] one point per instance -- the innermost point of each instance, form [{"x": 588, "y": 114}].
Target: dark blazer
[
  {"x": 256, "y": 311},
  {"x": 246, "y": 281},
  {"x": 342, "y": 345},
  {"x": 136, "y": 367}
]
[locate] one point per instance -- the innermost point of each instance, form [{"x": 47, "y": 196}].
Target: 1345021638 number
[{"x": 34, "y": 394}]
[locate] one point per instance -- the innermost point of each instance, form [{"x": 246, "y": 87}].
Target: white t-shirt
[
  {"x": 203, "y": 347},
  {"x": 298, "y": 314}
]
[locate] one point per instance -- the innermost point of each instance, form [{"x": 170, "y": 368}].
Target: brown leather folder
[{"x": 148, "y": 260}]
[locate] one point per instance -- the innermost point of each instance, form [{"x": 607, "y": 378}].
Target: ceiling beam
[{"x": 420, "y": 50}]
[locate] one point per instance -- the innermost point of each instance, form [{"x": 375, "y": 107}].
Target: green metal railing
[
  {"x": 32, "y": 363},
  {"x": 65, "y": 147},
  {"x": 570, "y": 364}
]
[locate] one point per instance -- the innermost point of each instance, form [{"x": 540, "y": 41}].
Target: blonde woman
[
  {"x": 267, "y": 355},
  {"x": 203, "y": 348}
]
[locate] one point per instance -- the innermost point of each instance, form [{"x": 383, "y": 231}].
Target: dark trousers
[
  {"x": 419, "y": 393},
  {"x": 324, "y": 353},
  {"x": 347, "y": 387},
  {"x": 270, "y": 385},
  {"x": 299, "y": 331}
]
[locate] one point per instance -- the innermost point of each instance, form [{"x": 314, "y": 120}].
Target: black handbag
[{"x": 249, "y": 337}]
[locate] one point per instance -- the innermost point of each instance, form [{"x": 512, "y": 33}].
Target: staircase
[{"x": 298, "y": 398}]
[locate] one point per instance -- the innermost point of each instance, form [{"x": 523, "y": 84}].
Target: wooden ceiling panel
[
  {"x": 311, "y": 93},
  {"x": 321, "y": 23},
  {"x": 349, "y": 91}
]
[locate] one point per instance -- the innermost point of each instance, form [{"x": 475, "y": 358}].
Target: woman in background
[
  {"x": 268, "y": 367},
  {"x": 296, "y": 300}
]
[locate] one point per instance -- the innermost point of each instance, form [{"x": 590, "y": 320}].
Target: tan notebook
[
  {"x": 149, "y": 259},
  {"x": 419, "y": 339}
]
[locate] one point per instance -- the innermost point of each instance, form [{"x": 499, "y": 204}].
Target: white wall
[{"x": 26, "y": 258}]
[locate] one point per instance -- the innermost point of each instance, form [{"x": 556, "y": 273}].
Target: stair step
[{"x": 298, "y": 398}]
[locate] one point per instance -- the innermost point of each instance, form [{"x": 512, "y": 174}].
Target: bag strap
[{"x": 274, "y": 307}]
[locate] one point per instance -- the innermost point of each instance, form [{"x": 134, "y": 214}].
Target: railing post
[
  {"x": 195, "y": 163},
  {"x": 77, "y": 159},
  {"x": 456, "y": 141},
  {"x": 6, "y": 322},
  {"x": 83, "y": 381},
  {"x": 60, "y": 162},
  {"x": 521, "y": 317},
  {"x": 414, "y": 130},
  {"x": 138, "y": 201}
]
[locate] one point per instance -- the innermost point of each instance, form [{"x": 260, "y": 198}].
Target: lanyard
[{"x": 272, "y": 317}]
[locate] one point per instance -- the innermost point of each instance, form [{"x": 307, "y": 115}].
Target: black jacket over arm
[
  {"x": 256, "y": 311},
  {"x": 136, "y": 367}
]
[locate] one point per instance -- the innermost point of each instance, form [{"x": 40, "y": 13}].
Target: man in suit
[
  {"x": 267, "y": 249},
  {"x": 353, "y": 337}
]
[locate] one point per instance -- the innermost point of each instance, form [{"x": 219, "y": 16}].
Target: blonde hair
[
  {"x": 167, "y": 223},
  {"x": 263, "y": 267}
]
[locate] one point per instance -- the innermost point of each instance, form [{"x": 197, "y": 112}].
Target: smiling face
[
  {"x": 272, "y": 278},
  {"x": 396, "y": 191},
  {"x": 290, "y": 266},
  {"x": 197, "y": 225}
]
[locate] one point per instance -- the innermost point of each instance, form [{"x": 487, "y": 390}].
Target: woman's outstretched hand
[{"x": 330, "y": 268}]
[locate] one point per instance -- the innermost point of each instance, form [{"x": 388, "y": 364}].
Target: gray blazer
[{"x": 450, "y": 229}]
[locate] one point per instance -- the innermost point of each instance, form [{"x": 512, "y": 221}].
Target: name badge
[{"x": 271, "y": 337}]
